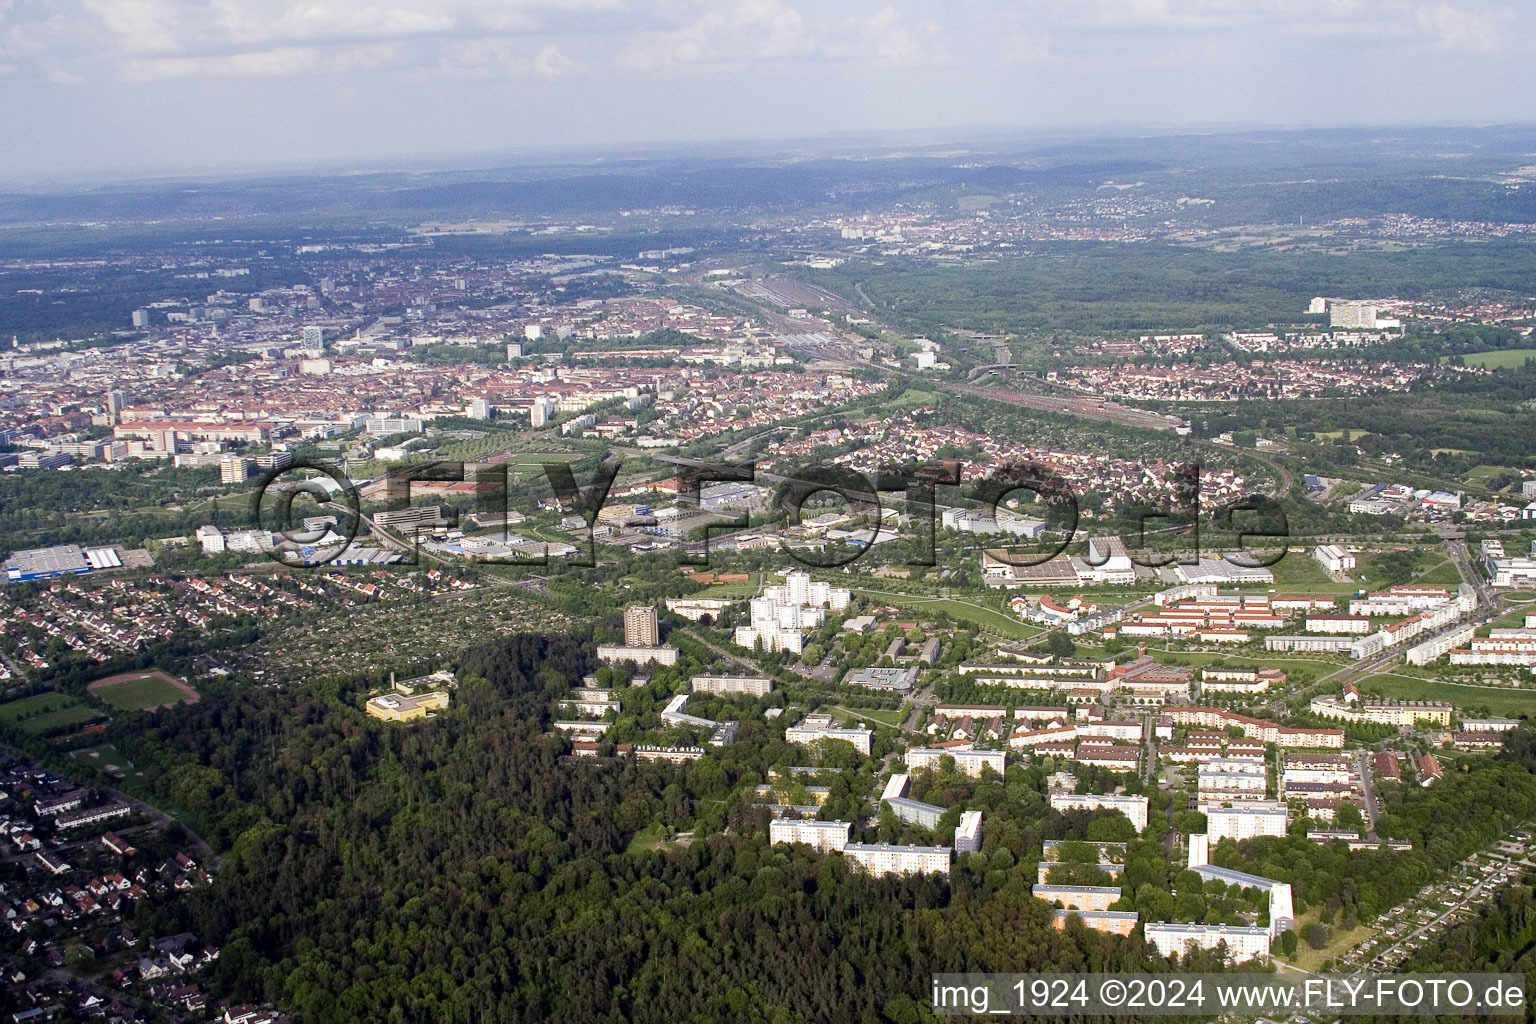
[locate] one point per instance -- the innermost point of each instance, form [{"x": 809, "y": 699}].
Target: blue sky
[{"x": 93, "y": 86}]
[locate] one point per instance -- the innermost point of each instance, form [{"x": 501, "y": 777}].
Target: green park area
[
  {"x": 1501, "y": 359},
  {"x": 44, "y": 713},
  {"x": 1502, "y": 701}
]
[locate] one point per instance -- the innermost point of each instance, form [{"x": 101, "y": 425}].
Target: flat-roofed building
[
  {"x": 971, "y": 762},
  {"x": 1358, "y": 625},
  {"x": 1112, "y": 922},
  {"x": 1133, "y": 807},
  {"x": 675, "y": 755},
  {"x": 405, "y": 707},
  {"x": 614, "y": 653},
  {"x": 1382, "y": 712},
  {"x": 1311, "y": 644},
  {"x": 752, "y": 686},
  {"x": 584, "y": 729},
  {"x": 819, "y": 727},
  {"x": 1242, "y": 943},
  {"x": 1228, "y": 778},
  {"x": 885, "y": 859},
  {"x": 1078, "y": 897},
  {"x": 1244, "y": 819},
  {"x": 915, "y": 812},
  {"x": 888, "y": 680},
  {"x": 822, "y": 835},
  {"x": 968, "y": 833}
]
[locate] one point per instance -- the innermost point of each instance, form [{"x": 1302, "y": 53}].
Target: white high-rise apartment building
[
  {"x": 823, "y": 835},
  {"x": 640, "y": 627},
  {"x": 884, "y": 859},
  {"x": 820, "y": 727},
  {"x": 1243, "y": 943},
  {"x": 1133, "y": 807},
  {"x": 1243, "y": 819},
  {"x": 969, "y": 761}
]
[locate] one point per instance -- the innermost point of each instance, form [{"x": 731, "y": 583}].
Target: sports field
[
  {"x": 142, "y": 691},
  {"x": 45, "y": 712}
]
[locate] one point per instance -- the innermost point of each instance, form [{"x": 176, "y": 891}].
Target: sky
[{"x": 98, "y": 87}]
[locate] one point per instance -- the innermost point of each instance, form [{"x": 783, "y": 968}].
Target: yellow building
[{"x": 401, "y": 707}]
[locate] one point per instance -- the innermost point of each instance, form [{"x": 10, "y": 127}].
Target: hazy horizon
[{"x": 162, "y": 87}]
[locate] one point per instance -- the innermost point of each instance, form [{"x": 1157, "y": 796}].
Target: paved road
[{"x": 1368, "y": 790}]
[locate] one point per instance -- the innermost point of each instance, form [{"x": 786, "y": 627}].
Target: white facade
[
  {"x": 1239, "y": 778},
  {"x": 815, "y": 728},
  {"x": 1133, "y": 807},
  {"x": 754, "y": 686},
  {"x": 884, "y": 859},
  {"x": 1242, "y": 943},
  {"x": 822, "y": 835},
  {"x": 1437, "y": 647},
  {"x": 1333, "y": 558},
  {"x": 970, "y": 762},
  {"x": 968, "y": 833},
  {"x": 1244, "y": 820}
]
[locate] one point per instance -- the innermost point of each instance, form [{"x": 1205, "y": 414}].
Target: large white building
[
  {"x": 1243, "y": 819},
  {"x": 1333, "y": 558},
  {"x": 1229, "y": 778},
  {"x": 1108, "y": 562},
  {"x": 970, "y": 762},
  {"x": 1506, "y": 571},
  {"x": 968, "y": 832},
  {"x": 753, "y": 686},
  {"x": 1282, "y": 910},
  {"x": 823, "y": 835},
  {"x": 1133, "y": 807},
  {"x": 1242, "y": 943},
  {"x": 781, "y": 615},
  {"x": 884, "y": 859},
  {"x": 1438, "y": 647},
  {"x": 820, "y": 727}
]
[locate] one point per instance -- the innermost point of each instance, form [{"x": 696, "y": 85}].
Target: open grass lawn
[
  {"x": 914, "y": 397},
  {"x": 134, "y": 691},
  {"x": 1309, "y": 959},
  {"x": 890, "y": 718},
  {"x": 45, "y": 712},
  {"x": 1505, "y": 359},
  {"x": 1502, "y": 702},
  {"x": 735, "y": 588},
  {"x": 961, "y": 609},
  {"x": 1480, "y": 475},
  {"x": 650, "y": 840},
  {"x": 1440, "y": 574}
]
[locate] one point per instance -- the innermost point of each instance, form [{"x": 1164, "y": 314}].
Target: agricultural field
[{"x": 138, "y": 691}]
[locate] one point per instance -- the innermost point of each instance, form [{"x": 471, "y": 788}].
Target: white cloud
[
  {"x": 502, "y": 58},
  {"x": 277, "y": 61},
  {"x": 729, "y": 31},
  {"x": 1457, "y": 28},
  {"x": 141, "y": 26}
]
